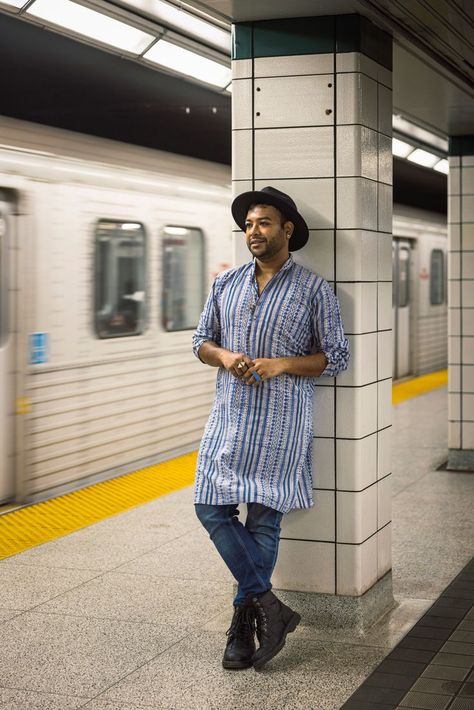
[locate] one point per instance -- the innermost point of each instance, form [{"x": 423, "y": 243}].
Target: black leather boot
[
  {"x": 274, "y": 621},
  {"x": 240, "y": 643}
]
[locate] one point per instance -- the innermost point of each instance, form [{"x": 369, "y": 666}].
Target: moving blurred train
[{"x": 107, "y": 252}]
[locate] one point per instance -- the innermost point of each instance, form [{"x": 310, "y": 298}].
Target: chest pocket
[{"x": 296, "y": 331}]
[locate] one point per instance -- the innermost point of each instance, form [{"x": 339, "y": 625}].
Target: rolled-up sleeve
[
  {"x": 329, "y": 332},
  {"x": 209, "y": 326}
]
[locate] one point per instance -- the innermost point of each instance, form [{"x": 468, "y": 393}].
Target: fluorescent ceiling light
[
  {"x": 402, "y": 125},
  {"x": 185, "y": 62},
  {"x": 442, "y": 166},
  {"x": 178, "y": 231},
  {"x": 400, "y": 148},
  {"x": 229, "y": 88},
  {"x": 184, "y": 21},
  {"x": 92, "y": 24},
  {"x": 14, "y": 3},
  {"x": 422, "y": 157}
]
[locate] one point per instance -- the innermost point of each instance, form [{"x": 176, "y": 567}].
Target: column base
[
  {"x": 461, "y": 460},
  {"x": 331, "y": 611}
]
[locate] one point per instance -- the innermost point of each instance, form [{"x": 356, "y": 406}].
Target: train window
[
  {"x": 183, "y": 277},
  {"x": 403, "y": 277},
  {"x": 119, "y": 278},
  {"x": 437, "y": 277},
  {"x": 3, "y": 281}
]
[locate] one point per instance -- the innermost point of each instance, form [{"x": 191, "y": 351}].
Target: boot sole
[
  {"x": 291, "y": 626},
  {"x": 237, "y": 665}
]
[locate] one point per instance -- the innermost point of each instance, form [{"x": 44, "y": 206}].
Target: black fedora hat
[{"x": 275, "y": 198}]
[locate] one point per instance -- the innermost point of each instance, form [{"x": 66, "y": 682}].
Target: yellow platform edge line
[
  {"x": 38, "y": 523},
  {"x": 418, "y": 385},
  {"x": 42, "y": 522}
]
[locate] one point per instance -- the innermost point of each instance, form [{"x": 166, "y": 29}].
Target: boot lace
[
  {"x": 243, "y": 624},
  {"x": 262, "y": 620}
]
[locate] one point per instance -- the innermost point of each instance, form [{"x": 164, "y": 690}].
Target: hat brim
[{"x": 240, "y": 208}]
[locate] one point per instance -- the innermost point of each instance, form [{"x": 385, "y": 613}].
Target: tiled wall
[
  {"x": 318, "y": 126},
  {"x": 461, "y": 303}
]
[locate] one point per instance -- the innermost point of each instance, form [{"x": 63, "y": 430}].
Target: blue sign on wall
[{"x": 39, "y": 348}]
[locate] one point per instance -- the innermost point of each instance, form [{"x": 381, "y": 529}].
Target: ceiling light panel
[
  {"x": 89, "y": 23},
  {"x": 401, "y": 149},
  {"x": 422, "y": 157},
  {"x": 442, "y": 166},
  {"x": 14, "y": 3},
  {"x": 189, "y": 63},
  {"x": 184, "y": 22}
]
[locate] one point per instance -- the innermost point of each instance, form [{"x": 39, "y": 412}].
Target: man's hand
[
  {"x": 231, "y": 361},
  {"x": 265, "y": 367}
]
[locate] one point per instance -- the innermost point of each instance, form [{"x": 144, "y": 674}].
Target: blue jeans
[{"x": 249, "y": 551}]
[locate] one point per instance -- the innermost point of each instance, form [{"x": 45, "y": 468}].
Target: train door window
[
  {"x": 403, "y": 277},
  {"x": 436, "y": 277},
  {"x": 183, "y": 277},
  {"x": 119, "y": 278}
]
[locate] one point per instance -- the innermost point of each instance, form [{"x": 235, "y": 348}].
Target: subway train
[{"x": 107, "y": 252}]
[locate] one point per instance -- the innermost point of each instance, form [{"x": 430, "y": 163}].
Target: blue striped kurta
[{"x": 257, "y": 444}]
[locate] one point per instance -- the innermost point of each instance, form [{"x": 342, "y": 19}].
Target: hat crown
[{"x": 280, "y": 195}]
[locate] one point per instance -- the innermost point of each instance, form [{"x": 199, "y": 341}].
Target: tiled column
[
  {"x": 461, "y": 303},
  {"x": 312, "y": 115}
]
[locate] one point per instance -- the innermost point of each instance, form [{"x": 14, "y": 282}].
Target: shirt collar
[{"x": 287, "y": 265}]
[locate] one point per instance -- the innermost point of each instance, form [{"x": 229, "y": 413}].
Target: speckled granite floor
[{"x": 132, "y": 612}]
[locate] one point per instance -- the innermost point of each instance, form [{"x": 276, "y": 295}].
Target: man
[{"x": 271, "y": 327}]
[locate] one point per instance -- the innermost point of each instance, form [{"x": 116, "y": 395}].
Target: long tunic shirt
[{"x": 257, "y": 444}]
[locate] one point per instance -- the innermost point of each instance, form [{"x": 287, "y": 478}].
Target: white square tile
[
  {"x": 384, "y": 404},
  {"x": 454, "y": 321},
  {"x": 241, "y": 155},
  {"x": 356, "y": 255},
  {"x": 294, "y": 152},
  {"x": 385, "y": 354},
  {"x": 363, "y": 362},
  {"x": 454, "y": 161},
  {"x": 356, "y": 411},
  {"x": 323, "y": 463},
  {"x": 356, "y": 97},
  {"x": 384, "y": 452},
  {"x": 467, "y": 350},
  {"x": 467, "y": 406},
  {"x": 467, "y": 289},
  {"x": 356, "y": 62},
  {"x": 467, "y": 429},
  {"x": 242, "y": 104},
  {"x": 238, "y": 187},
  {"x": 356, "y": 514},
  {"x": 323, "y": 411},
  {"x": 385, "y": 159},
  {"x": 384, "y": 550},
  {"x": 294, "y": 101},
  {"x": 315, "y": 523},
  {"x": 454, "y": 265},
  {"x": 241, "y": 69},
  {"x": 454, "y": 435},
  {"x": 384, "y": 257},
  {"x": 454, "y": 378},
  {"x": 295, "y": 65},
  {"x": 384, "y": 305},
  {"x": 358, "y": 306},
  {"x": 385, "y": 110},
  {"x": 454, "y": 294},
  {"x": 466, "y": 263},
  {"x": 314, "y": 198},
  {"x": 384, "y": 501},
  {"x": 318, "y": 253},
  {"x": 454, "y": 181},
  {"x": 467, "y": 319},
  {"x": 454, "y": 407},
  {"x": 454, "y": 208},
  {"x": 467, "y": 378},
  {"x": 357, "y": 152},
  {"x": 454, "y": 237},
  {"x": 356, "y": 567},
  {"x": 385, "y": 208},
  {"x": 454, "y": 349},
  {"x": 467, "y": 161},
  {"x": 467, "y": 181},
  {"x": 356, "y": 463},
  {"x": 356, "y": 203},
  {"x": 467, "y": 213},
  {"x": 467, "y": 236},
  {"x": 305, "y": 567}
]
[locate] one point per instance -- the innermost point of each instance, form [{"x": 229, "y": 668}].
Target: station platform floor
[{"x": 131, "y": 612}]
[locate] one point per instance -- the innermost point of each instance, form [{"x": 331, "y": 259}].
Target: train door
[
  {"x": 7, "y": 364},
  {"x": 401, "y": 307}
]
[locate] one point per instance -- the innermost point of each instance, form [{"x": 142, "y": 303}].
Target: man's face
[{"x": 264, "y": 233}]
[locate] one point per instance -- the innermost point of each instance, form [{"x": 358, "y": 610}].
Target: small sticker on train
[{"x": 39, "y": 348}]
